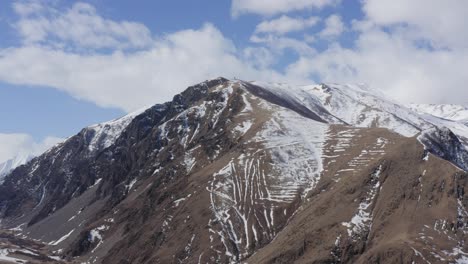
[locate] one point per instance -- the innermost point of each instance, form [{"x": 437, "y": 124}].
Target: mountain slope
[
  {"x": 445, "y": 111},
  {"x": 234, "y": 171},
  {"x": 51, "y": 180},
  {"x": 361, "y": 106},
  {"x": 7, "y": 166}
]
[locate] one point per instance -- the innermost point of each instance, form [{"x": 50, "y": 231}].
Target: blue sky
[
  {"x": 46, "y": 111},
  {"x": 65, "y": 64}
]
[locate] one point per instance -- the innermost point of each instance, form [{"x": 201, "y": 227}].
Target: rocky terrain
[{"x": 248, "y": 172}]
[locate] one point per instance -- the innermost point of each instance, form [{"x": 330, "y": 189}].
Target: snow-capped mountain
[
  {"x": 453, "y": 117},
  {"x": 248, "y": 172},
  {"x": 361, "y": 106}
]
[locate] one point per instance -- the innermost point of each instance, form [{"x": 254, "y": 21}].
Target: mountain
[
  {"x": 453, "y": 117},
  {"x": 10, "y": 164},
  {"x": 446, "y": 111},
  {"x": 247, "y": 172}
]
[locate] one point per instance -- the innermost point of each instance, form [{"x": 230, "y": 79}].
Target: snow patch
[
  {"x": 244, "y": 195},
  {"x": 60, "y": 240},
  {"x": 105, "y": 134},
  {"x": 243, "y": 127},
  {"x": 361, "y": 221},
  {"x": 130, "y": 185}
]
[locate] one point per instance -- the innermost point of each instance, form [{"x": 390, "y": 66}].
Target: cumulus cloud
[
  {"x": 285, "y": 24},
  {"x": 280, "y": 43},
  {"x": 260, "y": 57},
  {"x": 79, "y": 26},
  {"x": 27, "y": 8},
  {"x": 442, "y": 23},
  {"x": 119, "y": 78},
  {"x": 333, "y": 27},
  {"x": 130, "y": 80},
  {"x": 410, "y": 57},
  {"x": 23, "y": 144},
  {"x": 272, "y": 7},
  {"x": 271, "y": 34},
  {"x": 403, "y": 51}
]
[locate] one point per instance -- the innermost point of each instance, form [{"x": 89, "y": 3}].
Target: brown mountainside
[{"x": 239, "y": 172}]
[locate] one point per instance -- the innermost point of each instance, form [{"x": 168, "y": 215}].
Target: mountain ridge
[
  {"x": 234, "y": 165},
  {"x": 7, "y": 166}
]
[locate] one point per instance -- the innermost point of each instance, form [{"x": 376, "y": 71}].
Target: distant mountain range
[{"x": 231, "y": 171}]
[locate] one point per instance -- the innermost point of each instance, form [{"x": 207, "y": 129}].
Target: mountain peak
[{"x": 232, "y": 171}]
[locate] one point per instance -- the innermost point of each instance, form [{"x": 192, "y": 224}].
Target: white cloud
[
  {"x": 23, "y": 144},
  {"x": 413, "y": 55},
  {"x": 79, "y": 26},
  {"x": 285, "y": 24},
  {"x": 271, "y": 33},
  {"x": 308, "y": 38},
  {"x": 279, "y": 43},
  {"x": 27, "y": 8},
  {"x": 260, "y": 57},
  {"x": 443, "y": 23},
  {"x": 124, "y": 79},
  {"x": 272, "y": 7},
  {"x": 391, "y": 54},
  {"x": 333, "y": 27},
  {"x": 130, "y": 80}
]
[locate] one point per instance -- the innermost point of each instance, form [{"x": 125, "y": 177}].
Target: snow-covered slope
[
  {"x": 458, "y": 127},
  {"x": 447, "y": 111},
  {"x": 356, "y": 105},
  {"x": 98, "y": 136},
  {"x": 103, "y": 135},
  {"x": 362, "y": 106},
  {"x": 453, "y": 117},
  {"x": 10, "y": 164}
]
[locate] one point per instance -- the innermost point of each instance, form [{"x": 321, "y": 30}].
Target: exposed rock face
[
  {"x": 231, "y": 172},
  {"x": 445, "y": 144}
]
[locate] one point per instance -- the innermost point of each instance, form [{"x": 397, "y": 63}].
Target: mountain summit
[{"x": 232, "y": 171}]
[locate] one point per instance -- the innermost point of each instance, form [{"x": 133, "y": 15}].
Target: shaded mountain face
[{"x": 234, "y": 171}]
